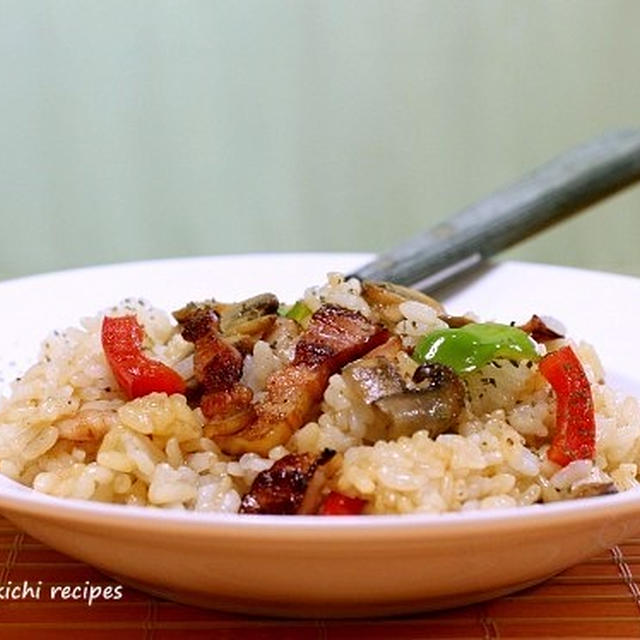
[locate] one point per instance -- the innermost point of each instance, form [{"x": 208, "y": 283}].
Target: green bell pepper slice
[{"x": 474, "y": 345}]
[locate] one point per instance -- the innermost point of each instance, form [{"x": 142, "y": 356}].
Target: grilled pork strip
[
  {"x": 334, "y": 337},
  {"x": 281, "y": 489},
  {"x": 217, "y": 365}
]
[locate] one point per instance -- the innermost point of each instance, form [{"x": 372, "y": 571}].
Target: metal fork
[{"x": 565, "y": 185}]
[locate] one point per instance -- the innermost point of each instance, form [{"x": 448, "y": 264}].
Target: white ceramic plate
[{"x": 312, "y": 566}]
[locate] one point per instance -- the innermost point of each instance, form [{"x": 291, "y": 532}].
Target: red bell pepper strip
[
  {"x": 575, "y": 434},
  {"x": 337, "y": 504},
  {"x": 136, "y": 374}
]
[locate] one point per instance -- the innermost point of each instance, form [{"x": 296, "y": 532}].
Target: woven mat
[{"x": 596, "y": 599}]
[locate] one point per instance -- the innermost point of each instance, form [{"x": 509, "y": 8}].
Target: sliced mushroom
[
  {"x": 245, "y": 316},
  {"x": 282, "y": 337},
  {"x": 389, "y": 349},
  {"x": 543, "y": 330},
  {"x": 434, "y": 375},
  {"x": 435, "y": 406},
  {"x": 590, "y": 488},
  {"x": 386, "y": 297},
  {"x": 373, "y": 378},
  {"x": 242, "y": 323},
  {"x": 455, "y": 322}
]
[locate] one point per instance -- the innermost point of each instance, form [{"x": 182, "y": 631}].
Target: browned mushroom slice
[
  {"x": 242, "y": 324},
  {"x": 590, "y": 489},
  {"x": 385, "y": 298},
  {"x": 389, "y": 349},
  {"x": 434, "y": 410},
  {"x": 434, "y": 406},
  {"x": 283, "y": 336},
  {"x": 245, "y": 316},
  {"x": 373, "y": 378},
  {"x": 455, "y": 322},
  {"x": 540, "y": 330},
  {"x": 281, "y": 489}
]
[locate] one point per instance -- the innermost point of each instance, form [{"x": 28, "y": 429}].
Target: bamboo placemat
[{"x": 599, "y": 598}]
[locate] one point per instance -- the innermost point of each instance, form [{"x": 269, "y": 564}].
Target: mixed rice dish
[{"x": 359, "y": 398}]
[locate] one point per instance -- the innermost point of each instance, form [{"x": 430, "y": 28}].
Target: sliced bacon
[
  {"x": 227, "y": 410},
  {"x": 281, "y": 489},
  {"x": 292, "y": 397},
  {"x": 334, "y": 337},
  {"x": 217, "y": 365}
]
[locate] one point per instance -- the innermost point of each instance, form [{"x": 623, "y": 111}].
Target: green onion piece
[{"x": 299, "y": 312}]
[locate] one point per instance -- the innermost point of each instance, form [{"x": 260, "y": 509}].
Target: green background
[{"x": 146, "y": 129}]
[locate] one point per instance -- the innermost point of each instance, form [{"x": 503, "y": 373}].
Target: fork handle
[{"x": 565, "y": 185}]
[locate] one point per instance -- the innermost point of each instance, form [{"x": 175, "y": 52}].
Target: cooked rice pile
[{"x": 153, "y": 451}]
